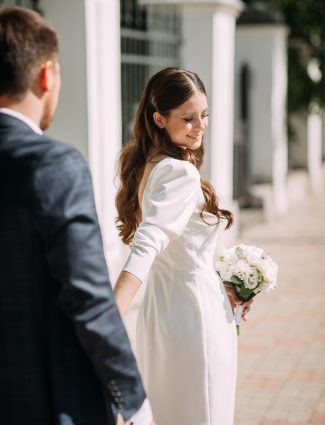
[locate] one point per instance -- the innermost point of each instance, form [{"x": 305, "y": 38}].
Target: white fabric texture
[
  {"x": 23, "y": 118},
  {"x": 186, "y": 335},
  {"x": 143, "y": 416}
]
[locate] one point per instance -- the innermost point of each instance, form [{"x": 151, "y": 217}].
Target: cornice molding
[{"x": 234, "y": 7}]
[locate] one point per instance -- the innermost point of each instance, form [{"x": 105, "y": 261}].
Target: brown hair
[
  {"x": 165, "y": 91},
  {"x": 26, "y": 40}
]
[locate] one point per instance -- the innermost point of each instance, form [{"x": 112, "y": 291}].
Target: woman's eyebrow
[{"x": 191, "y": 112}]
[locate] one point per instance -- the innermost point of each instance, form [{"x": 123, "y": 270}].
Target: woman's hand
[
  {"x": 125, "y": 288},
  {"x": 247, "y": 307},
  {"x": 234, "y": 301}
]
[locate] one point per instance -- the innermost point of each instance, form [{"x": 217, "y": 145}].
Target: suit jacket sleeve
[{"x": 64, "y": 214}]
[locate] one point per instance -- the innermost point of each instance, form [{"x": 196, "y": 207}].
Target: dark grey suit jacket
[{"x": 65, "y": 358}]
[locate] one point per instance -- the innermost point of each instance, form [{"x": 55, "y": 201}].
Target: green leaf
[
  {"x": 236, "y": 281},
  {"x": 244, "y": 293},
  {"x": 239, "y": 252}
]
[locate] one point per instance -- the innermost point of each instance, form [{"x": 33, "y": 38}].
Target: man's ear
[
  {"x": 159, "y": 120},
  {"x": 46, "y": 76}
]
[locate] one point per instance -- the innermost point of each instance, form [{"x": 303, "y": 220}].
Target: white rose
[
  {"x": 252, "y": 278},
  {"x": 269, "y": 270}
]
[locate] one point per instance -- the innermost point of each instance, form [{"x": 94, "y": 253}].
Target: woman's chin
[{"x": 195, "y": 145}]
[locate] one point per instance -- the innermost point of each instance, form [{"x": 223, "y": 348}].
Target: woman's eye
[{"x": 191, "y": 119}]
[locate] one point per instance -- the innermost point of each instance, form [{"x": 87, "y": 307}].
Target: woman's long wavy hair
[{"x": 165, "y": 91}]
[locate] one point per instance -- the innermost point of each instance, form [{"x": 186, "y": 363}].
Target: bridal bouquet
[{"x": 249, "y": 270}]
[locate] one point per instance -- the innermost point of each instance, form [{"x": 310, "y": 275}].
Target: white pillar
[
  {"x": 222, "y": 102},
  {"x": 263, "y": 48},
  {"x": 279, "y": 117},
  {"x": 104, "y": 116}
]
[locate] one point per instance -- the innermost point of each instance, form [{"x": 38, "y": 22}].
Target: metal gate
[{"x": 150, "y": 41}]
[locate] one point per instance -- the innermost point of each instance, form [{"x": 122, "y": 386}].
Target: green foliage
[
  {"x": 245, "y": 294},
  {"x": 306, "y": 22},
  {"x": 236, "y": 281}
]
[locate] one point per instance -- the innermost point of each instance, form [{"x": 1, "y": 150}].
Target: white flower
[
  {"x": 224, "y": 271},
  {"x": 227, "y": 256},
  {"x": 255, "y": 269},
  {"x": 254, "y": 256},
  {"x": 269, "y": 270},
  {"x": 252, "y": 279},
  {"x": 242, "y": 270}
]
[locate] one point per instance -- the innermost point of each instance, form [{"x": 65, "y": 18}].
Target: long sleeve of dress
[{"x": 171, "y": 195}]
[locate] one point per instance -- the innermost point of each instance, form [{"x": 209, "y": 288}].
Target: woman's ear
[{"x": 159, "y": 120}]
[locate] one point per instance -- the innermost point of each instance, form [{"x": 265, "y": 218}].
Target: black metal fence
[{"x": 150, "y": 41}]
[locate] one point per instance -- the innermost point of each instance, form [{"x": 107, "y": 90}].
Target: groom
[{"x": 65, "y": 358}]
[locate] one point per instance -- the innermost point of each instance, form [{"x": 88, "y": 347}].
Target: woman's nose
[{"x": 200, "y": 124}]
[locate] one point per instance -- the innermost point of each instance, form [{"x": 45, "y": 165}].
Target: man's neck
[
  {"x": 29, "y": 106},
  {"x": 21, "y": 117}
]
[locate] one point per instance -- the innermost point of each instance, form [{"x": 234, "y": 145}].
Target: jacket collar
[{"x": 22, "y": 118}]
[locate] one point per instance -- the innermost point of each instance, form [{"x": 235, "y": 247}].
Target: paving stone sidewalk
[{"x": 281, "y": 368}]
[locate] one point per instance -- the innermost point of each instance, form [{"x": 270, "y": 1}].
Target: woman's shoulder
[
  {"x": 173, "y": 167},
  {"x": 168, "y": 173}
]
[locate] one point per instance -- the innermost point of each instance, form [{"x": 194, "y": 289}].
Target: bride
[{"x": 186, "y": 335}]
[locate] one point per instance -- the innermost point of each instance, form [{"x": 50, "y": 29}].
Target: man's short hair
[{"x": 26, "y": 41}]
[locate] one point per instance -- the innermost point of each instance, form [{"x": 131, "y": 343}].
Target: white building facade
[{"x": 261, "y": 52}]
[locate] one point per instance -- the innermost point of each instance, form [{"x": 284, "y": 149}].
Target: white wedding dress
[{"x": 186, "y": 335}]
